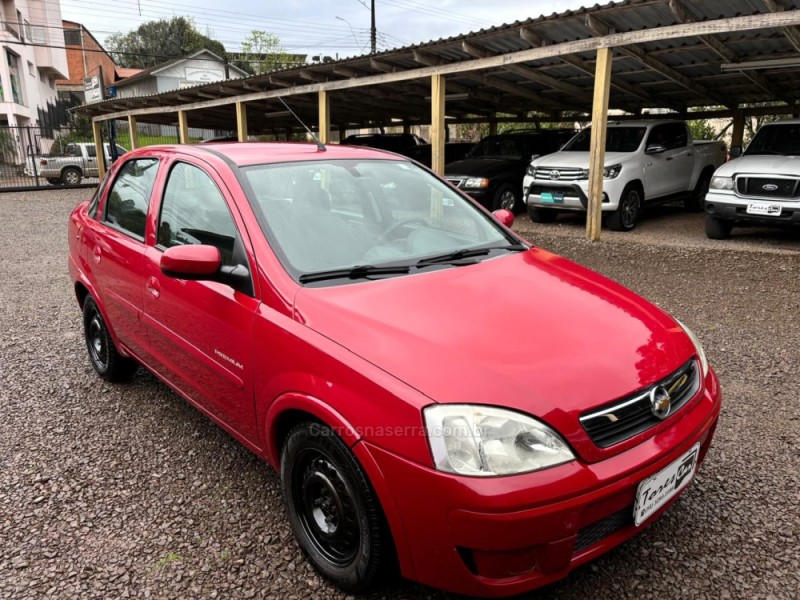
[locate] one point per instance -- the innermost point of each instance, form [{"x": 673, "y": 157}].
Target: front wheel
[
  {"x": 71, "y": 176},
  {"x": 332, "y": 509},
  {"x": 103, "y": 354},
  {"x": 697, "y": 201},
  {"x": 718, "y": 229},
  {"x": 627, "y": 214},
  {"x": 505, "y": 198}
]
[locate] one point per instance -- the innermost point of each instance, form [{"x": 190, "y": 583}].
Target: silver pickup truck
[{"x": 70, "y": 167}]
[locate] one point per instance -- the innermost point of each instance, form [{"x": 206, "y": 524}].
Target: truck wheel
[
  {"x": 718, "y": 229},
  {"x": 542, "y": 215},
  {"x": 71, "y": 176},
  {"x": 53, "y": 181},
  {"x": 505, "y": 197},
  {"x": 697, "y": 201},
  {"x": 627, "y": 214}
]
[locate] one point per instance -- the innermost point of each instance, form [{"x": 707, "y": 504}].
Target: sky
[{"x": 336, "y": 28}]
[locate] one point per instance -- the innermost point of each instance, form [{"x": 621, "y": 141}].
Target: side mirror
[
  {"x": 655, "y": 149},
  {"x": 191, "y": 262},
  {"x": 736, "y": 151},
  {"x": 505, "y": 217}
]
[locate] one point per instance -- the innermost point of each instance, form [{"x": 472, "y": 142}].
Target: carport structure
[{"x": 718, "y": 56}]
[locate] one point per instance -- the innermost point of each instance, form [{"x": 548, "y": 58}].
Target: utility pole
[{"x": 372, "y": 33}]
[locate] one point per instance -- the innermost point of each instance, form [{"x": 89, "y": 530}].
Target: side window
[
  {"x": 659, "y": 136},
  {"x": 129, "y": 197},
  {"x": 678, "y": 136},
  {"x": 194, "y": 211},
  {"x": 91, "y": 150}
]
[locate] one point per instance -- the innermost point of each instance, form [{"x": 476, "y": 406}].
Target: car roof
[{"x": 256, "y": 153}]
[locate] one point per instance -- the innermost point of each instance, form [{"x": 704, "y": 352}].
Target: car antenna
[{"x": 320, "y": 146}]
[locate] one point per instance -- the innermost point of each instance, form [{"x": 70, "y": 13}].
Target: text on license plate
[
  {"x": 553, "y": 197},
  {"x": 764, "y": 208},
  {"x": 654, "y": 492}
]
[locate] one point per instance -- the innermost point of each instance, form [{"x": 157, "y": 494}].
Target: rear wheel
[
  {"x": 542, "y": 215},
  {"x": 332, "y": 508},
  {"x": 627, "y": 214},
  {"x": 505, "y": 197},
  {"x": 71, "y": 176},
  {"x": 697, "y": 201},
  {"x": 718, "y": 229},
  {"x": 103, "y": 354}
]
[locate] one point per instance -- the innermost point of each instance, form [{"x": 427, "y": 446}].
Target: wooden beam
[
  {"x": 597, "y": 153},
  {"x": 133, "y": 132},
  {"x": 790, "y": 33},
  {"x": 97, "y": 133},
  {"x": 737, "y": 134},
  {"x": 241, "y": 121},
  {"x": 183, "y": 127},
  {"x": 437, "y": 123},
  {"x": 727, "y": 25},
  {"x": 324, "y": 117}
]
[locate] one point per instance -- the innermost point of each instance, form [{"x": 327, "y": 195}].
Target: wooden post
[
  {"x": 406, "y": 127},
  {"x": 342, "y": 133},
  {"x": 133, "y": 132},
  {"x": 241, "y": 121},
  {"x": 97, "y": 132},
  {"x": 437, "y": 123},
  {"x": 183, "y": 127},
  {"x": 324, "y": 117},
  {"x": 492, "y": 126},
  {"x": 597, "y": 154},
  {"x": 737, "y": 135}
]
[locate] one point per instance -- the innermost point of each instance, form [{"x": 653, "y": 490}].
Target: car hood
[
  {"x": 578, "y": 160},
  {"x": 767, "y": 165},
  {"x": 482, "y": 167},
  {"x": 530, "y": 331}
]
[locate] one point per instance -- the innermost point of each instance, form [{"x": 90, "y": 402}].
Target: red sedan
[{"x": 436, "y": 393}]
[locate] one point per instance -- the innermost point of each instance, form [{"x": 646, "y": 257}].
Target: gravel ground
[{"x": 126, "y": 491}]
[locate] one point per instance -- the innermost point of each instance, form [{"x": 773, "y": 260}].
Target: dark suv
[{"x": 492, "y": 171}]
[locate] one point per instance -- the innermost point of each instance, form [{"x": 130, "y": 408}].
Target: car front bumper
[
  {"x": 502, "y": 536},
  {"x": 566, "y": 195},
  {"x": 731, "y": 207}
]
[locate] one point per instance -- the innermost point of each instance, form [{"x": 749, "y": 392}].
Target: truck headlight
[
  {"x": 530, "y": 170},
  {"x": 722, "y": 183},
  {"x": 481, "y": 441},
  {"x": 612, "y": 171},
  {"x": 476, "y": 182},
  {"x": 701, "y": 354}
]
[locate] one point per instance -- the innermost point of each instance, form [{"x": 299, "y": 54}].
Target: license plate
[
  {"x": 553, "y": 197},
  {"x": 656, "y": 491},
  {"x": 764, "y": 208}
]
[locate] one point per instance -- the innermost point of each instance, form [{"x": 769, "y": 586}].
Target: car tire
[
  {"x": 505, "y": 197},
  {"x": 627, "y": 214},
  {"x": 103, "y": 354},
  {"x": 542, "y": 215},
  {"x": 71, "y": 176},
  {"x": 718, "y": 229},
  {"x": 697, "y": 200},
  {"x": 54, "y": 181},
  {"x": 333, "y": 511}
]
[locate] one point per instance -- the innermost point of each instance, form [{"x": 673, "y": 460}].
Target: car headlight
[
  {"x": 701, "y": 354},
  {"x": 530, "y": 170},
  {"x": 722, "y": 183},
  {"x": 477, "y": 440},
  {"x": 476, "y": 182},
  {"x": 612, "y": 171}
]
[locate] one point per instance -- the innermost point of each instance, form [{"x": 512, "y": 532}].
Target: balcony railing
[{"x": 10, "y": 29}]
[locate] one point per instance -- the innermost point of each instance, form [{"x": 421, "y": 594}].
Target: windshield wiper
[
  {"x": 357, "y": 272},
  {"x": 458, "y": 255}
]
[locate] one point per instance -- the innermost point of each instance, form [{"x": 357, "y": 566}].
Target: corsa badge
[{"x": 660, "y": 402}]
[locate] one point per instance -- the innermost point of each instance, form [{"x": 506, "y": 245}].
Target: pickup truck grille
[
  {"x": 772, "y": 187},
  {"x": 629, "y": 416},
  {"x": 559, "y": 174}
]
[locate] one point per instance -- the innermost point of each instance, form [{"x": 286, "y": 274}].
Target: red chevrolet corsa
[{"x": 434, "y": 392}]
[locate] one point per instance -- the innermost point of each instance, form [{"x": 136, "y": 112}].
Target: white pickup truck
[
  {"x": 647, "y": 162},
  {"x": 761, "y": 185},
  {"x": 76, "y": 162}
]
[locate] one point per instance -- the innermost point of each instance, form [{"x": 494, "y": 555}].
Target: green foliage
[
  {"x": 8, "y": 146},
  {"x": 262, "y": 52},
  {"x": 702, "y": 130},
  {"x": 156, "y": 42}
]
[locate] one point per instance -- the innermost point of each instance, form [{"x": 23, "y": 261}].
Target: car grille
[
  {"x": 558, "y": 174},
  {"x": 772, "y": 187},
  {"x": 591, "y": 534},
  {"x": 629, "y": 416}
]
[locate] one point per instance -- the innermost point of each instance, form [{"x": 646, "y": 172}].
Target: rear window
[{"x": 618, "y": 139}]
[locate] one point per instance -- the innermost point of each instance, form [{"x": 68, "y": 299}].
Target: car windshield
[
  {"x": 503, "y": 147},
  {"x": 328, "y": 215},
  {"x": 618, "y": 139},
  {"x": 776, "y": 139}
]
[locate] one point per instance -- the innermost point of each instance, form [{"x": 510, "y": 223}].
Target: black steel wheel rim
[
  {"x": 629, "y": 208},
  {"x": 96, "y": 339},
  {"x": 326, "y": 507}
]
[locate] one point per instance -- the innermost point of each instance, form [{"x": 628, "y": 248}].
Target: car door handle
[
  {"x": 97, "y": 255},
  {"x": 689, "y": 154},
  {"x": 153, "y": 287},
  {"x": 669, "y": 158}
]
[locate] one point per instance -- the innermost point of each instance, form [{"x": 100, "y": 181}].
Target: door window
[
  {"x": 129, "y": 197},
  {"x": 194, "y": 211}
]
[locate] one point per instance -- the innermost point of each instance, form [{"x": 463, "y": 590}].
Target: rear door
[{"x": 201, "y": 331}]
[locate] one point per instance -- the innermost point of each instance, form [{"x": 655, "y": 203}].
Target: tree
[
  {"x": 263, "y": 52},
  {"x": 156, "y": 42}
]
